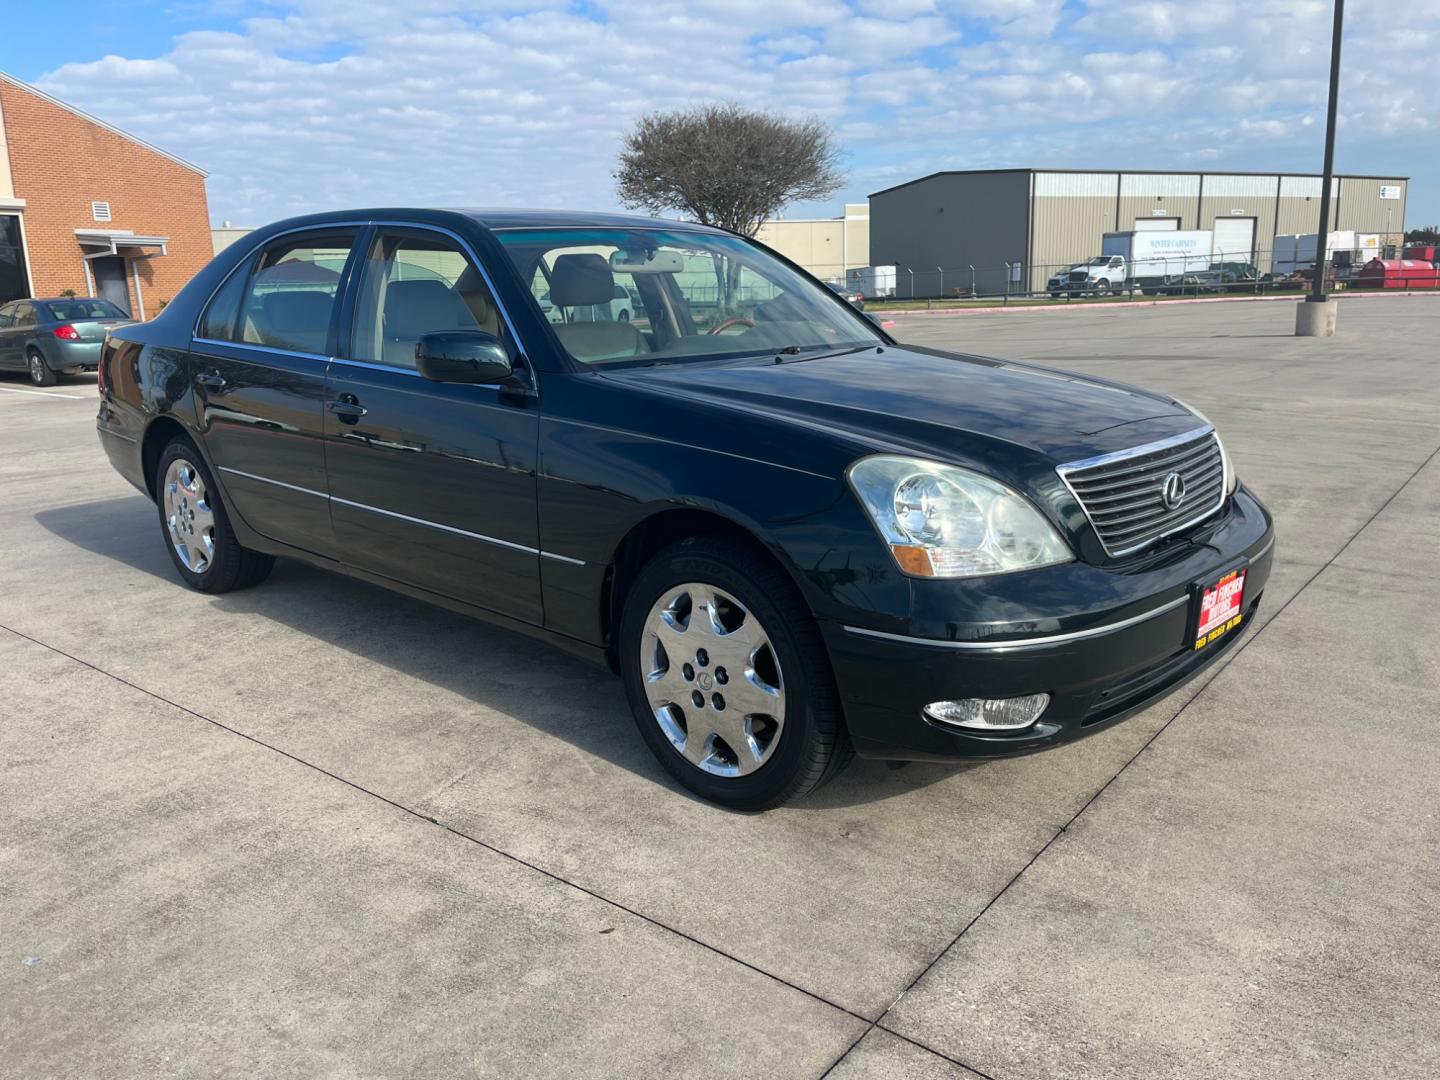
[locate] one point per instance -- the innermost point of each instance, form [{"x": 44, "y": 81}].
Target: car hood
[{"x": 936, "y": 402}]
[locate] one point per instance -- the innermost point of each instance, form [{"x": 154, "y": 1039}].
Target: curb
[{"x": 1038, "y": 308}]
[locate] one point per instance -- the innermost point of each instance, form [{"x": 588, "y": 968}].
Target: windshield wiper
[{"x": 796, "y": 350}]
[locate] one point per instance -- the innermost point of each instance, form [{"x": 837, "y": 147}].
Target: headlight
[
  {"x": 946, "y": 522},
  {"x": 1232, "y": 481}
]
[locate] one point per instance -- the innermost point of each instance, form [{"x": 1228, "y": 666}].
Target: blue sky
[{"x": 295, "y": 105}]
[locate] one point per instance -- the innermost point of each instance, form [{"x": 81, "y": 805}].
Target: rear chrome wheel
[
  {"x": 40, "y": 373},
  {"x": 188, "y": 515},
  {"x": 201, "y": 541},
  {"x": 713, "y": 680}
]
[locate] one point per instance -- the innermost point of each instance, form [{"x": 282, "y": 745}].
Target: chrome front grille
[{"x": 1124, "y": 494}]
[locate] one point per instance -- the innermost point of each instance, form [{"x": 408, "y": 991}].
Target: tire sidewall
[
  {"x": 769, "y": 783},
  {"x": 217, "y": 571}
]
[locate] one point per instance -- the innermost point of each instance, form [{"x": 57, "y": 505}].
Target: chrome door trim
[
  {"x": 484, "y": 539},
  {"x": 277, "y": 483},
  {"x": 1028, "y": 642},
  {"x": 260, "y": 348},
  {"x": 413, "y": 520}
]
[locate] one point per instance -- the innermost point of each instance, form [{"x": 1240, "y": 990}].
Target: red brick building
[{"x": 84, "y": 206}]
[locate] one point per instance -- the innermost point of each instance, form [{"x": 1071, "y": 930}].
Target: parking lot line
[{"x": 43, "y": 393}]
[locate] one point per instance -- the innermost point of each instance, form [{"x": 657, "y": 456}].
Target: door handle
[
  {"x": 347, "y": 408},
  {"x": 210, "y": 381}
]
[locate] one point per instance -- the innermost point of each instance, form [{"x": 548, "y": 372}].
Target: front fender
[{"x": 603, "y": 472}]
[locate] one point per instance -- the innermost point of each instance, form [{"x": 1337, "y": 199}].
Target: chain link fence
[{"x": 1210, "y": 274}]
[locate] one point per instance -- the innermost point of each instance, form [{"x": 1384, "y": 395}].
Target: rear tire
[
  {"x": 196, "y": 526},
  {"x": 688, "y": 685},
  {"x": 39, "y": 370}
]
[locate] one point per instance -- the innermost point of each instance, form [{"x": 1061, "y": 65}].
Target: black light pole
[{"x": 1322, "y": 243}]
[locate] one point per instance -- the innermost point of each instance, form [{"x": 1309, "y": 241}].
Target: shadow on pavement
[{"x": 497, "y": 669}]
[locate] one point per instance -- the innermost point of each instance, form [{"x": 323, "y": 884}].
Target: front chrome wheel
[
  {"x": 189, "y": 516},
  {"x": 712, "y": 679}
]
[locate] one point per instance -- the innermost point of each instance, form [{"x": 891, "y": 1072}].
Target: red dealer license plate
[{"x": 1220, "y": 607}]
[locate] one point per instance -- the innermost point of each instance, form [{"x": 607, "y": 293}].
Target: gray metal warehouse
[{"x": 1017, "y": 226}]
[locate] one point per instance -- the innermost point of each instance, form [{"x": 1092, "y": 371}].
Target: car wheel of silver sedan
[
  {"x": 40, "y": 373},
  {"x": 727, "y": 677}
]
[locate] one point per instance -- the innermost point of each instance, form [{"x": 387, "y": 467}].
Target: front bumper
[{"x": 1099, "y": 668}]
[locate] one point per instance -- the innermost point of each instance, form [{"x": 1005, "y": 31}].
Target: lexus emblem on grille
[{"x": 1172, "y": 491}]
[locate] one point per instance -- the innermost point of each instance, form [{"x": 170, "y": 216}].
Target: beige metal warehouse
[{"x": 1017, "y": 226}]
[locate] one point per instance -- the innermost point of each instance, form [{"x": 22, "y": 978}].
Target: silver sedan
[{"x": 45, "y": 337}]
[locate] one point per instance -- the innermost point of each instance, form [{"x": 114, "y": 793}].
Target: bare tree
[{"x": 725, "y": 165}]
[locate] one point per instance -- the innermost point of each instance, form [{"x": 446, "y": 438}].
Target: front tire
[
  {"x": 39, "y": 370},
  {"x": 196, "y": 527},
  {"x": 727, "y": 677}
]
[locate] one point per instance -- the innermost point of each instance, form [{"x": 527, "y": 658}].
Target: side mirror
[{"x": 463, "y": 356}]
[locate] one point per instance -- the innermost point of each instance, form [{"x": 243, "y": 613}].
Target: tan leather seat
[{"x": 585, "y": 280}]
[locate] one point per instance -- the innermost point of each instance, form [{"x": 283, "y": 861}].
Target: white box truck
[
  {"x": 1347, "y": 249},
  {"x": 871, "y": 281},
  {"x": 1154, "y": 259}
]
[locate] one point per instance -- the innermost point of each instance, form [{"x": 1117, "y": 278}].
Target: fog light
[{"x": 989, "y": 714}]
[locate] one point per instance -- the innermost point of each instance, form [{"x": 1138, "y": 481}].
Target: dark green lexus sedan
[{"x": 791, "y": 537}]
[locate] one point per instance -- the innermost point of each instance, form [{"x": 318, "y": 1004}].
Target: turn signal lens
[
  {"x": 66, "y": 332},
  {"x": 989, "y": 714}
]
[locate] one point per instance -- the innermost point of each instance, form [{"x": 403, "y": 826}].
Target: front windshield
[
  {"x": 622, "y": 297},
  {"x": 1099, "y": 260}
]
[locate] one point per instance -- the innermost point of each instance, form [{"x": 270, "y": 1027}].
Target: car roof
[
  {"x": 495, "y": 218},
  {"x": 500, "y": 218}
]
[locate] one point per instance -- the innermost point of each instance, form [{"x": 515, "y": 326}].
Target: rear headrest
[
  {"x": 413, "y": 308},
  {"x": 578, "y": 280},
  {"x": 297, "y": 310}
]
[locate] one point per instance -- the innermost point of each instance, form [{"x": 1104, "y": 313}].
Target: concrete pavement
[{"x": 318, "y": 829}]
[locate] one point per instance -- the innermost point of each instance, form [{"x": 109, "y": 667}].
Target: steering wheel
[{"x": 734, "y": 320}]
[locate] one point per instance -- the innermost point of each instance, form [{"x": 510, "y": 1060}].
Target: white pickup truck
[{"x": 1148, "y": 260}]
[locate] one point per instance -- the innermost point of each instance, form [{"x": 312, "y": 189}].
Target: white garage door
[
  {"x": 1156, "y": 224},
  {"x": 1234, "y": 239}
]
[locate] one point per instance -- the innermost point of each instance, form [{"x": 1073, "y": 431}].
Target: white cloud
[{"x": 317, "y": 104}]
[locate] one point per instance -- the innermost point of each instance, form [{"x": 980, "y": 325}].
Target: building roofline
[
  {"x": 1143, "y": 172},
  {"x": 83, "y": 115},
  {"x": 952, "y": 172}
]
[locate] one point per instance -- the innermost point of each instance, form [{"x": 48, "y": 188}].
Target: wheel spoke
[
  {"x": 748, "y": 696},
  {"x": 737, "y": 733},
  {"x": 667, "y": 688},
  {"x": 697, "y": 743}
]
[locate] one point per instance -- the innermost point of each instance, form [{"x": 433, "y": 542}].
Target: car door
[
  {"x": 431, "y": 484},
  {"x": 258, "y": 363},
  {"x": 8, "y": 336},
  {"x": 17, "y": 335}
]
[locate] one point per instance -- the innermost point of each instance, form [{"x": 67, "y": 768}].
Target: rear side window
[
  {"x": 218, "y": 324},
  {"x": 286, "y": 301}
]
